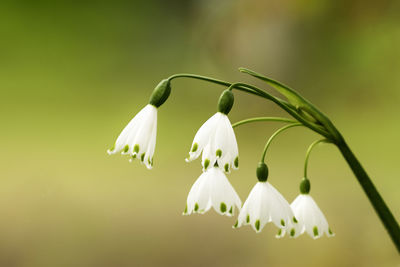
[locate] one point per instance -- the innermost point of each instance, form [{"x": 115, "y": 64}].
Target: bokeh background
[{"x": 73, "y": 73}]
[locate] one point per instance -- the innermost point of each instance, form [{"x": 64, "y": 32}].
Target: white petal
[
  {"x": 265, "y": 204},
  {"x": 212, "y": 189},
  {"x": 202, "y": 137},
  {"x": 223, "y": 196},
  {"x": 310, "y": 217},
  {"x": 139, "y": 134}
]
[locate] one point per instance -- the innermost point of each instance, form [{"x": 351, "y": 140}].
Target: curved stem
[
  {"x": 372, "y": 193},
  {"x": 274, "y": 135},
  {"x": 310, "y": 148},
  {"x": 216, "y": 81},
  {"x": 259, "y": 92},
  {"x": 262, "y": 119}
]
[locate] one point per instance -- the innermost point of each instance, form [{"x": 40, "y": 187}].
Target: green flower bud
[
  {"x": 225, "y": 101},
  {"x": 160, "y": 93},
  {"x": 305, "y": 186},
  {"x": 262, "y": 172}
]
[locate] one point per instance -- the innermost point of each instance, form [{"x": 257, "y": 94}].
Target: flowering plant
[{"x": 216, "y": 142}]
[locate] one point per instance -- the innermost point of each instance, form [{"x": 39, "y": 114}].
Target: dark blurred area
[{"x": 73, "y": 73}]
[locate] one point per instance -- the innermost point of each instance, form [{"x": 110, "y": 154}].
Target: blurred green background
[{"x": 73, "y": 73}]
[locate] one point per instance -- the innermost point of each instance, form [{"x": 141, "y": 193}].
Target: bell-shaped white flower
[
  {"x": 310, "y": 217},
  {"x": 216, "y": 139},
  {"x": 138, "y": 138},
  {"x": 212, "y": 189},
  {"x": 263, "y": 205}
]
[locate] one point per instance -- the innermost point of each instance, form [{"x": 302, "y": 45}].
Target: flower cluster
[{"x": 216, "y": 142}]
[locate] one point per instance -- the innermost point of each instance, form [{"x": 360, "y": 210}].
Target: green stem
[
  {"x": 310, "y": 148},
  {"x": 259, "y": 92},
  {"x": 372, "y": 193},
  {"x": 274, "y": 135},
  {"x": 262, "y": 119},
  {"x": 212, "y": 80}
]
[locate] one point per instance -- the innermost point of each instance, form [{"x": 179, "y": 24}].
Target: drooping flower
[
  {"x": 138, "y": 138},
  {"x": 212, "y": 189},
  {"x": 216, "y": 138},
  {"x": 310, "y": 217},
  {"x": 217, "y": 141},
  {"x": 263, "y": 205}
]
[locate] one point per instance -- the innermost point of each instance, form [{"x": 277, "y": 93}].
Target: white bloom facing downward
[
  {"x": 216, "y": 139},
  {"x": 212, "y": 189},
  {"x": 138, "y": 138},
  {"x": 310, "y": 217},
  {"x": 263, "y": 205}
]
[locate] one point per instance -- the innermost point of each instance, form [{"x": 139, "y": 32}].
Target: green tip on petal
[
  {"x": 231, "y": 210},
  {"x": 134, "y": 156},
  {"x": 142, "y": 157},
  {"x": 185, "y": 211},
  {"x": 330, "y": 231},
  {"x": 206, "y": 163},
  {"x": 222, "y": 207},
  {"x": 257, "y": 225},
  {"x": 136, "y": 148},
  {"x": 226, "y": 167},
  {"x": 315, "y": 231},
  {"x": 292, "y": 232},
  {"x": 195, "y": 147},
  {"x": 295, "y": 220},
  {"x": 282, "y": 222},
  {"x": 279, "y": 232},
  {"x": 236, "y": 162},
  {"x": 248, "y": 218},
  {"x": 196, "y": 207},
  {"x": 218, "y": 153},
  {"x": 126, "y": 148},
  {"x": 112, "y": 149},
  {"x": 236, "y": 224}
]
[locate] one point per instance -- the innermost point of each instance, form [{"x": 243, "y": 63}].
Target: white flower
[
  {"x": 138, "y": 138},
  {"x": 263, "y": 205},
  {"x": 217, "y": 141},
  {"x": 310, "y": 217},
  {"x": 212, "y": 189}
]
